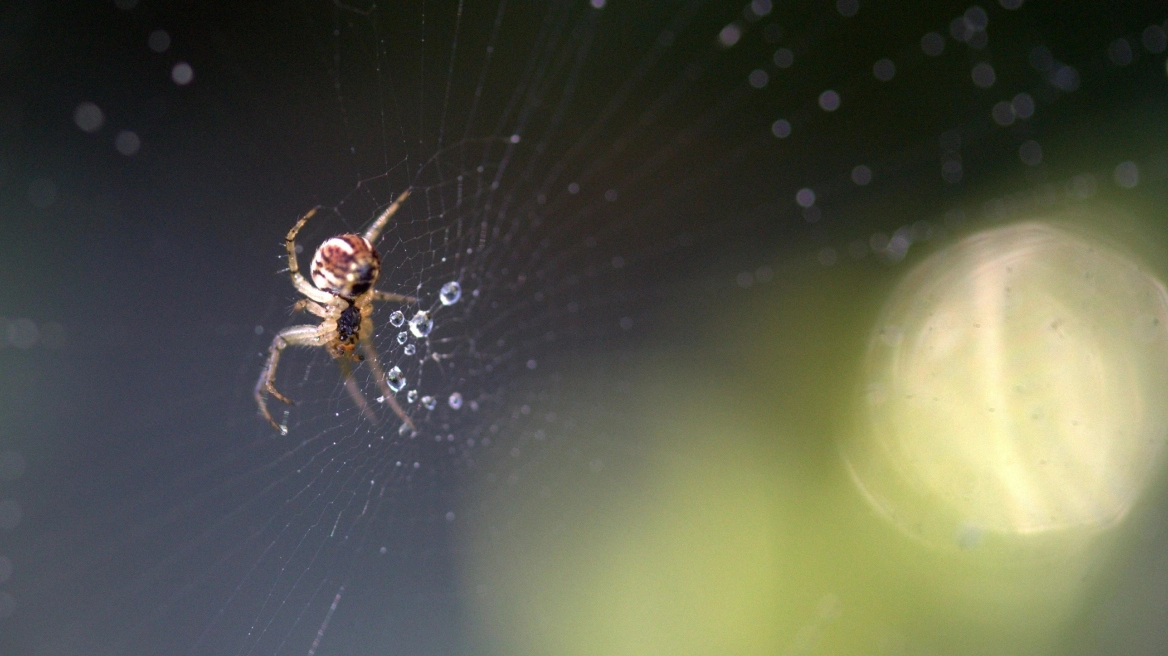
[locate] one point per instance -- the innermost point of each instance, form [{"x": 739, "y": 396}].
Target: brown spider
[{"x": 343, "y": 271}]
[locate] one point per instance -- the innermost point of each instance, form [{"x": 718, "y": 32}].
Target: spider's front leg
[
  {"x": 392, "y": 298},
  {"x": 311, "y": 306},
  {"x": 292, "y": 336}
]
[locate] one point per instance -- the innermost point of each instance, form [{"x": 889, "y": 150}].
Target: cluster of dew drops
[{"x": 420, "y": 327}]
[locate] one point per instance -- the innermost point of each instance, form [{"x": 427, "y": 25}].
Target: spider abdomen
[{"x": 346, "y": 265}]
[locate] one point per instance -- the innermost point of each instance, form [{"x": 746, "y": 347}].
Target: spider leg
[
  {"x": 302, "y": 285},
  {"x": 292, "y": 336},
  {"x": 379, "y": 376},
  {"x": 311, "y": 307},
  {"x": 374, "y": 230},
  {"x": 393, "y": 298},
  {"x": 355, "y": 391}
]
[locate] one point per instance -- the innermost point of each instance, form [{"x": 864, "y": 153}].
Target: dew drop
[
  {"x": 410, "y": 349},
  {"x": 450, "y": 293},
  {"x": 402, "y": 337},
  {"x": 395, "y": 379},
  {"x": 397, "y": 319},
  {"x": 428, "y": 402},
  {"x": 421, "y": 324},
  {"x": 412, "y": 396},
  {"x": 455, "y": 401}
]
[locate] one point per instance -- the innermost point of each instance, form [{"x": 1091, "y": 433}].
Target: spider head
[{"x": 346, "y": 266}]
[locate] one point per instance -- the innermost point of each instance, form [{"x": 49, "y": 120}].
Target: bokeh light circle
[{"x": 1015, "y": 383}]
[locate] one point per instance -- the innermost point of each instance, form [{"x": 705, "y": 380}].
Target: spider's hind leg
[
  {"x": 355, "y": 391},
  {"x": 379, "y": 376}
]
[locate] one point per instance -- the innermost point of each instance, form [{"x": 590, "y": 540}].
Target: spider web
[{"x": 578, "y": 169}]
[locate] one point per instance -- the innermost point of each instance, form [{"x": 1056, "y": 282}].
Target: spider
[{"x": 344, "y": 270}]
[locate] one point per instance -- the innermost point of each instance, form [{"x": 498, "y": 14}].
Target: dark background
[{"x": 147, "y": 275}]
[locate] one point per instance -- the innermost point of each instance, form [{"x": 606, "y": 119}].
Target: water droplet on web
[
  {"x": 395, "y": 379},
  {"x": 421, "y": 324},
  {"x": 455, "y": 401},
  {"x": 412, "y": 396},
  {"x": 405, "y": 428},
  {"x": 410, "y": 349},
  {"x": 402, "y": 337},
  {"x": 397, "y": 319},
  {"x": 450, "y": 293},
  {"x": 429, "y": 403}
]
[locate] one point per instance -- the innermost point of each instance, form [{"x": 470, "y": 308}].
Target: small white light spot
[
  {"x": 259, "y": 330},
  {"x": 532, "y": 364},
  {"x": 933, "y": 44},
  {"x": 784, "y": 58},
  {"x": 127, "y": 143},
  {"x": 884, "y": 70},
  {"x": 1030, "y": 153},
  {"x": 1120, "y": 52},
  {"x": 1023, "y": 105},
  {"x": 950, "y": 140},
  {"x": 760, "y": 8},
  {"x": 758, "y": 78},
  {"x": 1065, "y": 78},
  {"x": 88, "y": 117},
  {"x": 805, "y": 197},
  {"x": 42, "y": 193},
  {"x": 1083, "y": 186},
  {"x": 976, "y": 18},
  {"x": 573, "y": 188},
  {"x": 983, "y": 75},
  {"x": 450, "y": 515},
  {"x": 514, "y": 138},
  {"x": 781, "y": 128},
  {"x": 158, "y": 41},
  {"x": 730, "y": 35},
  {"x": 182, "y": 74},
  {"x": 1127, "y": 174},
  {"x": 861, "y": 175},
  {"x": 960, "y": 30},
  {"x": 829, "y": 101},
  {"x": 847, "y": 8},
  {"x": 1154, "y": 39},
  {"x": 1041, "y": 59}
]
